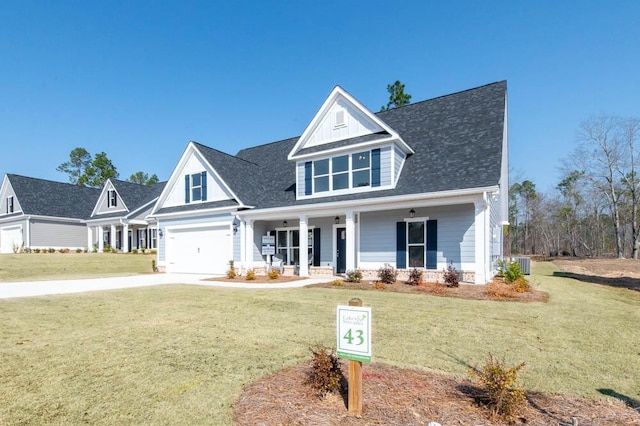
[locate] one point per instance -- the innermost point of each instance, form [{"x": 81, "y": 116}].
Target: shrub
[
  {"x": 509, "y": 270},
  {"x": 153, "y": 251},
  {"x": 251, "y": 275},
  {"x": 325, "y": 375},
  {"x": 51, "y": 250},
  {"x": 451, "y": 276},
  {"x": 134, "y": 251},
  {"x": 106, "y": 248},
  {"x": 354, "y": 276},
  {"x": 27, "y": 250},
  {"x": 504, "y": 398},
  {"x": 64, "y": 250},
  {"x": 337, "y": 283},
  {"x": 378, "y": 285},
  {"x": 78, "y": 250},
  {"x": 274, "y": 274},
  {"x": 387, "y": 274},
  {"x": 36, "y": 250},
  {"x": 154, "y": 267},
  {"x": 231, "y": 272},
  {"x": 15, "y": 248},
  {"x": 415, "y": 277},
  {"x": 521, "y": 285}
]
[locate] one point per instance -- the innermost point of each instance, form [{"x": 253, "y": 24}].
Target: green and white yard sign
[{"x": 354, "y": 333}]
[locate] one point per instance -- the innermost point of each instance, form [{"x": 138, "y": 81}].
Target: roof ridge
[
  {"x": 53, "y": 181},
  {"x": 271, "y": 143},
  {"x": 224, "y": 153},
  {"x": 444, "y": 96}
]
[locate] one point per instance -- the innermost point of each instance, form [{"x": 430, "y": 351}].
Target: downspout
[{"x": 27, "y": 243}]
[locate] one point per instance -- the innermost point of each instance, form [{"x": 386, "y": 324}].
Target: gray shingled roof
[
  {"x": 345, "y": 142},
  {"x": 136, "y": 195},
  {"x": 198, "y": 206},
  {"x": 48, "y": 198},
  {"x": 457, "y": 141}
]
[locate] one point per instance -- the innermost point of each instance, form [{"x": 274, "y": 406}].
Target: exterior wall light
[
  {"x": 160, "y": 233},
  {"x": 285, "y": 223},
  {"x": 412, "y": 213},
  {"x": 337, "y": 220}
]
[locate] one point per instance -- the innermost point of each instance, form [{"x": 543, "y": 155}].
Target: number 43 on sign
[{"x": 354, "y": 333}]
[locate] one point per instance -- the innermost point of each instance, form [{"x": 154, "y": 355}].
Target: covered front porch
[{"x": 124, "y": 237}]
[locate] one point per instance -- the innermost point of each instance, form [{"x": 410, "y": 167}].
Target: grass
[
  {"x": 181, "y": 354},
  {"x": 40, "y": 266}
]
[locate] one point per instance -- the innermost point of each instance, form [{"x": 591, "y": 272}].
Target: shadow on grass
[
  {"x": 621, "y": 282},
  {"x": 633, "y": 403}
]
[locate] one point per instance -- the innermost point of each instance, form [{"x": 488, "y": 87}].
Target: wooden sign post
[{"x": 354, "y": 344}]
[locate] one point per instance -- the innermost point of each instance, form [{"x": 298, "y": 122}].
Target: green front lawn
[
  {"x": 54, "y": 266},
  {"x": 180, "y": 354}
]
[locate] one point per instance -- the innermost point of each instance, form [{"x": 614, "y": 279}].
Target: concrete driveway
[{"x": 10, "y": 290}]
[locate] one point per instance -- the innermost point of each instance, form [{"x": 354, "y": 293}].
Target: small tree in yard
[
  {"x": 451, "y": 276},
  {"x": 325, "y": 375}
]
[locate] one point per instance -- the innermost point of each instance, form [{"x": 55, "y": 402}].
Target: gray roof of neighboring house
[
  {"x": 136, "y": 195},
  {"x": 56, "y": 199},
  {"x": 457, "y": 140}
]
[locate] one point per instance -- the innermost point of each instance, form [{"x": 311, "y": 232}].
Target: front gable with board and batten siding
[
  {"x": 194, "y": 184},
  {"x": 109, "y": 201},
  {"x": 347, "y": 148}
]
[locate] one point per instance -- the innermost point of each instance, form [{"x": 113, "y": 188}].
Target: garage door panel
[
  {"x": 9, "y": 237},
  {"x": 199, "y": 250}
]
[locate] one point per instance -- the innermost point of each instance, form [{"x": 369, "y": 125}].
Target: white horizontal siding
[{"x": 45, "y": 234}]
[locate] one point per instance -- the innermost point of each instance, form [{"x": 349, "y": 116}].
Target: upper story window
[
  {"x": 358, "y": 170},
  {"x": 195, "y": 187},
  {"x": 10, "y": 206},
  {"x": 112, "y": 198}
]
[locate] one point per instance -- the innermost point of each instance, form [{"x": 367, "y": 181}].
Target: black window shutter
[
  {"x": 187, "y": 189},
  {"x": 401, "y": 245},
  {"x": 316, "y": 246},
  {"x": 375, "y": 167},
  {"x": 204, "y": 186},
  {"x": 432, "y": 244},
  {"x": 115, "y": 199},
  {"x": 307, "y": 178}
]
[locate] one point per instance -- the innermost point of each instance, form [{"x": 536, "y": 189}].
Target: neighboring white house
[{"x": 420, "y": 186}]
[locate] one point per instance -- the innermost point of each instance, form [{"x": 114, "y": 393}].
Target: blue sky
[{"x": 139, "y": 79}]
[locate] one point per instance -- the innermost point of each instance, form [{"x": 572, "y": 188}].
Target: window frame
[
  {"x": 194, "y": 187},
  {"x": 422, "y": 244},
  {"x": 350, "y": 172},
  {"x": 290, "y": 249},
  {"x": 10, "y": 204},
  {"x": 112, "y": 198}
]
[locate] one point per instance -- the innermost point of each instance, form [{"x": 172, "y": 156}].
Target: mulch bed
[
  {"x": 260, "y": 279},
  {"x": 464, "y": 291},
  {"x": 395, "y": 396}
]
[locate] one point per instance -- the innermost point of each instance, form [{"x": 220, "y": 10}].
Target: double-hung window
[
  {"x": 361, "y": 169},
  {"x": 416, "y": 244},
  {"x": 288, "y": 245},
  {"x": 321, "y": 175},
  {"x": 112, "y": 198},
  {"x": 195, "y": 187},
  {"x": 340, "y": 172},
  {"x": 10, "y": 206}
]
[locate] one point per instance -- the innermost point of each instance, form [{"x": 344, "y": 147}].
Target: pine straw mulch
[
  {"x": 497, "y": 290},
  {"x": 395, "y": 396},
  {"x": 260, "y": 279}
]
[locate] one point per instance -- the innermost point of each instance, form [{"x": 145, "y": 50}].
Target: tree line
[
  {"x": 594, "y": 209},
  {"x": 86, "y": 170}
]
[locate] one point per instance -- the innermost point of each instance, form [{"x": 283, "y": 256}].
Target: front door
[{"x": 341, "y": 250}]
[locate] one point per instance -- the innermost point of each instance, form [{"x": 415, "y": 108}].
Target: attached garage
[
  {"x": 10, "y": 237},
  {"x": 202, "y": 250}
]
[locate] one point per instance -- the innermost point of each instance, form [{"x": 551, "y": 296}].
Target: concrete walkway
[{"x": 10, "y": 290}]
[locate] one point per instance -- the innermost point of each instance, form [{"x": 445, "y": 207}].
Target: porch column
[
  {"x": 351, "y": 241},
  {"x": 125, "y": 238},
  {"x": 304, "y": 251},
  {"x": 112, "y": 237},
  {"x": 248, "y": 243},
  {"x": 100, "y": 239},
  {"x": 243, "y": 244},
  {"x": 89, "y": 238},
  {"x": 481, "y": 242}
]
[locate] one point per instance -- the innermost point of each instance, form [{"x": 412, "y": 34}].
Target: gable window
[
  {"x": 10, "y": 206},
  {"x": 195, "y": 187},
  {"x": 112, "y": 198}
]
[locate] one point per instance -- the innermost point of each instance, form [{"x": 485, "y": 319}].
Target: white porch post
[
  {"x": 89, "y": 238},
  {"x": 112, "y": 237},
  {"x": 248, "y": 245},
  {"x": 100, "y": 239},
  {"x": 125, "y": 238},
  {"x": 243, "y": 244},
  {"x": 481, "y": 242},
  {"x": 304, "y": 251},
  {"x": 351, "y": 241}
]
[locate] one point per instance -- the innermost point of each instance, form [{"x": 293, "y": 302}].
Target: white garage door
[
  {"x": 199, "y": 250},
  {"x": 9, "y": 237}
]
